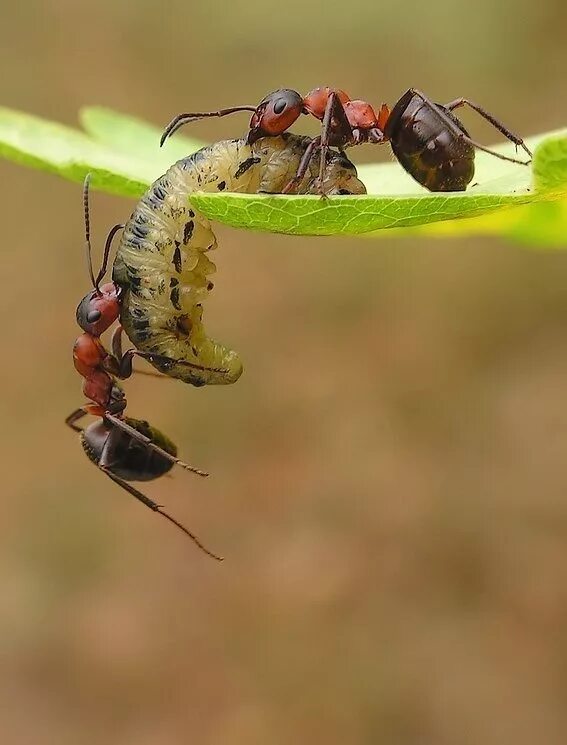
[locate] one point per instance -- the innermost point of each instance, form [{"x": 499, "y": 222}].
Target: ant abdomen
[
  {"x": 123, "y": 455},
  {"x": 426, "y": 148}
]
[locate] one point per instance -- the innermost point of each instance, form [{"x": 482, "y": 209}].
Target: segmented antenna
[
  {"x": 88, "y": 232},
  {"x": 107, "y": 246}
]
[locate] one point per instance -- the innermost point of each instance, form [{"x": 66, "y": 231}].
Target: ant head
[
  {"x": 274, "y": 114},
  {"x": 315, "y": 102},
  {"x": 98, "y": 310}
]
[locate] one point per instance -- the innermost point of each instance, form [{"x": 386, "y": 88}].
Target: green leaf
[
  {"x": 396, "y": 201},
  {"x": 53, "y": 147},
  {"x": 136, "y": 138},
  {"x": 123, "y": 154}
]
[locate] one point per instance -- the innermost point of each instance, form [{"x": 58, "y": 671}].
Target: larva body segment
[{"x": 163, "y": 264}]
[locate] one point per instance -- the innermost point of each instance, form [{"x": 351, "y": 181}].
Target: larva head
[
  {"x": 340, "y": 178},
  {"x": 315, "y": 102},
  {"x": 275, "y": 114},
  {"x": 98, "y": 310}
]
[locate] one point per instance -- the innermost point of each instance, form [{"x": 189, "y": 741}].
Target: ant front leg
[
  {"x": 292, "y": 185},
  {"x": 457, "y": 103},
  {"x": 140, "y": 496},
  {"x": 335, "y": 123},
  {"x": 74, "y": 417},
  {"x": 135, "y": 435},
  {"x": 122, "y": 363}
]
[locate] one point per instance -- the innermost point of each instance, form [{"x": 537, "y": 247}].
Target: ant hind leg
[
  {"x": 141, "y": 497},
  {"x": 147, "y": 442},
  {"x": 458, "y": 102}
]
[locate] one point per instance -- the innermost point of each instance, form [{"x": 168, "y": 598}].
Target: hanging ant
[
  {"x": 427, "y": 138},
  {"x": 124, "y": 449}
]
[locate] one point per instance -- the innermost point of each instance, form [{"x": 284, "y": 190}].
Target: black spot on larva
[
  {"x": 177, "y": 259},
  {"x": 221, "y": 186},
  {"x": 183, "y": 325},
  {"x": 130, "y": 270},
  {"x": 245, "y": 165},
  {"x": 159, "y": 191},
  {"x": 140, "y": 231},
  {"x": 190, "y": 213},
  {"x": 210, "y": 286},
  {"x": 344, "y": 162},
  {"x": 343, "y": 191},
  {"x": 188, "y": 231},
  {"x": 140, "y": 324},
  {"x": 173, "y": 282},
  {"x": 174, "y": 297}
]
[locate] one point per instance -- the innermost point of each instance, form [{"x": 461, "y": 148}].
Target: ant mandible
[
  {"x": 429, "y": 141},
  {"x": 123, "y": 448}
]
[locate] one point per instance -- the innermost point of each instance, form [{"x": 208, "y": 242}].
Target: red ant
[
  {"x": 123, "y": 448},
  {"x": 427, "y": 138}
]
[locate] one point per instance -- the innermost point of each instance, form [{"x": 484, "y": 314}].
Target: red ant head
[
  {"x": 315, "y": 102},
  {"x": 98, "y": 310},
  {"x": 275, "y": 113}
]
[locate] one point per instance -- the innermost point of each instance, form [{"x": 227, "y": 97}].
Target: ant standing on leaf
[
  {"x": 124, "y": 449},
  {"x": 427, "y": 138}
]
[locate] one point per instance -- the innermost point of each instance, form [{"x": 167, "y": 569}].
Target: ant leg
[
  {"x": 290, "y": 187},
  {"x": 457, "y": 103},
  {"x": 124, "y": 361},
  {"x": 74, "y": 417},
  {"x": 135, "y": 435},
  {"x": 178, "y": 121},
  {"x": 459, "y": 133},
  {"x": 129, "y": 354},
  {"x": 156, "y": 508},
  {"x": 107, "y": 246},
  {"x": 109, "y": 237},
  {"x": 493, "y": 152},
  {"x": 333, "y": 110},
  {"x": 116, "y": 342}
]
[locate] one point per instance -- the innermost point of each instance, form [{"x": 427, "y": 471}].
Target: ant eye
[
  {"x": 93, "y": 316},
  {"x": 279, "y": 105}
]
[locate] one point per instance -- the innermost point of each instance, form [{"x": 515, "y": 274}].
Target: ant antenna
[
  {"x": 107, "y": 245},
  {"x": 178, "y": 121},
  {"x": 88, "y": 231}
]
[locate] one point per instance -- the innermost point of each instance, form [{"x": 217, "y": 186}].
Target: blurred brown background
[{"x": 389, "y": 476}]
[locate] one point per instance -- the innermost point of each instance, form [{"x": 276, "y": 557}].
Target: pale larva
[{"x": 162, "y": 264}]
